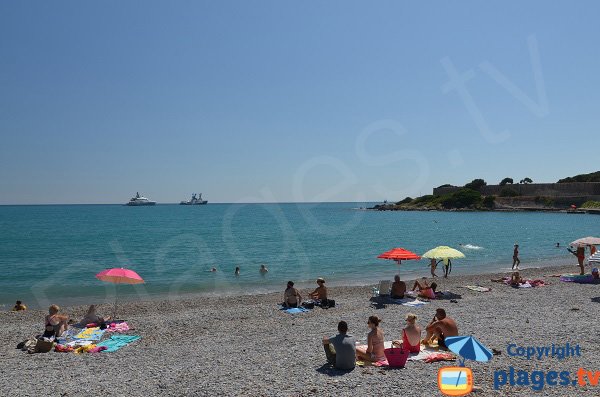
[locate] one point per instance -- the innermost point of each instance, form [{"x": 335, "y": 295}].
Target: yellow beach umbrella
[{"x": 443, "y": 252}]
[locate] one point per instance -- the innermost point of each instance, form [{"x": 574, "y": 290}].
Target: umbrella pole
[{"x": 114, "y": 314}]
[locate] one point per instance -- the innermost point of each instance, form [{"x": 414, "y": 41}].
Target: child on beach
[
  {"x": 19, "y": 306},
  {"x": 433, "y": 264},
  {"x": 374, "y": 351}
]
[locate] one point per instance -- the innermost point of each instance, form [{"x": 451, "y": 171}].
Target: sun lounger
[{"x": 384, "y": 288}]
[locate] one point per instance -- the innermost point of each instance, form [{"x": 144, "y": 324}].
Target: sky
[{"x": 291, "y": 101}]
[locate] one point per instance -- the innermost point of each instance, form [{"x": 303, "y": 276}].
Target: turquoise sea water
[{"x": 51, "y": 253}]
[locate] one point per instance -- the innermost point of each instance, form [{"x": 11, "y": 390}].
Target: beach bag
[
  {"x": 328, "y": 303},
  {"x": 396, "y": 356},
  {"x": 308, "y": 305},
  {"x": 43, "y": 346}
]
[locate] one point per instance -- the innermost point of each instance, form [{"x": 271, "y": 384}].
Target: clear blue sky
[{"x": 270, "y": 100}]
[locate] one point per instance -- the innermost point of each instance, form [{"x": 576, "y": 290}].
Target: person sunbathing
[
  {"x": 411, "y": 335},
  {"x": 55, "y": 324},
  {"x": 398, "y": 288},
  {"x": 516, "y": 279},
  {"x": 440, "y": 327},
  {"x": 425, "y": 290},
  {"x": 291, "y": 296},
  {"x": 92, "y": 317},
  {"x": 320, "y": 293},
  {"x": 374, "y": 351}
]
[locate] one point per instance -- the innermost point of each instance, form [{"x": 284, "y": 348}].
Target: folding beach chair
[{"x": 384, "y": 288}]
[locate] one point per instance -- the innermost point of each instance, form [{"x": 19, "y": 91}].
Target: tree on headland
[
  {"x": 506, "y": 181},
  {"x": 476, "y": 184},
  {"x": 591, "y": 177},
  {"x": 526, "y": 181}
]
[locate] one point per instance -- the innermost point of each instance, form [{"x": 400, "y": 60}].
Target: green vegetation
[
  {"x": 506, "y": 181},
  {"x": 476, "y": 184},
  {"x": 405, "y": 201},
  {"x": 489, "y": 202},
  {"x": 463, "y": 198},
  {"x": 591, "y": 204},
  {"x": 591, "y": 177},
  {"x": 526, "y": 180},
  {"x": 546, "y": 201}
]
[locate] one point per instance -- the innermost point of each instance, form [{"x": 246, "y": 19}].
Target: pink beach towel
[{"x": 118, "y": 327}]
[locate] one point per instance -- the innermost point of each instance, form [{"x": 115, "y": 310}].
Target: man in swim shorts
[{"x": 441, "y": 327}]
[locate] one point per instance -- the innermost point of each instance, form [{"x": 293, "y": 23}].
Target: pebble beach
[{"x": 246, "y": 346}]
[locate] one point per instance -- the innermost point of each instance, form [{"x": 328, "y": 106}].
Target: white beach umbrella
[{"x": 586, "y": 241}]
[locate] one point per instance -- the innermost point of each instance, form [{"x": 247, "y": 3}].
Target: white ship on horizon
[{"x": 139, "y": 201}]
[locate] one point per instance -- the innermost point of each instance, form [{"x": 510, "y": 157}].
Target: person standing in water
[
  {"x": 516, "y": 260},
  {"x": 263, "y": 270},
  {"x": 237, "y": 270}
]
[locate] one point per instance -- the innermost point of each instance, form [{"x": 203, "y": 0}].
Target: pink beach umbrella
[{"x": 119, "y": 276}]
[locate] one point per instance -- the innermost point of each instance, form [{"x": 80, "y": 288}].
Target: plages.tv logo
[
  {"x": 458, "y": 380},
  {"x": 455, "y": 381}
]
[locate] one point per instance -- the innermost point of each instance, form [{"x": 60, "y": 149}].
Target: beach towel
[
  {"x": 117, "y": 341},
  {"x": 432, "y": 358},
  {"x": 77, "y": 343},
  {"x": 294, "y": 310},
  {"x": 90, "y": 334},
  {"x": 477, "y": 288},
  {"x": 119, "y": 327},
  {"x": 414, "y": 303},
  {"x": 425, "y": 352}
]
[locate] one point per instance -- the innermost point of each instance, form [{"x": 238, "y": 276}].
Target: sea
[{"x": 51, "y": 253}]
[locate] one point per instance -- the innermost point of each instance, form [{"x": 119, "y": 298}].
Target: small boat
[
  {"x": 139, "y": 201},
  {"x": 195, "y": 200}
]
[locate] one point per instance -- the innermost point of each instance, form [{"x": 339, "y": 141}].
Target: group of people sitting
[
  {"x": 55, "y": 323},
  {"x": 424, "y": 290},
  {"x": 292, "y": 297},
  {"x": 341, "y": 350}
]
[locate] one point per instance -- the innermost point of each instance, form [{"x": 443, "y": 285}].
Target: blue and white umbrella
[{"x": 468, "y": 348}]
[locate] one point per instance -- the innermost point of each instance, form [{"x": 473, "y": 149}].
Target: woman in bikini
[
  {"x": 425, "y": 290},
  {"x": 55, "y": 324},
  {"x": 374, "y": 351},
  {"x": 411, "y": 335}
]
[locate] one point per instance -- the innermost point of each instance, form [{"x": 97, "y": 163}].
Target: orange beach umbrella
[{"x": 399, "y": 254}]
